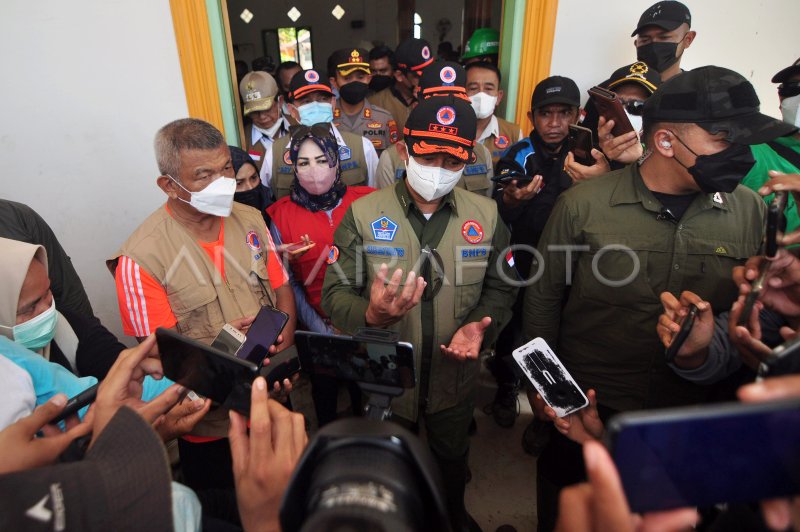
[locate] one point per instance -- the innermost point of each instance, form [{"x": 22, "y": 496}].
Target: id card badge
[{"x": 550, "y": 378}]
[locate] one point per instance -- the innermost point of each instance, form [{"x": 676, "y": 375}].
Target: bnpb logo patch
[
  {"x": 312, "y": 76},
  {"x": 501, "y": 142},
  {"x": 472, "y": 231},
  {"x": 426, "y": 53},
  {"x": 446, "y": 115},
  {"x": 448, "y": 75},
  {"x": 252, "y": 241},
  {"x": 333, "y": 255}
]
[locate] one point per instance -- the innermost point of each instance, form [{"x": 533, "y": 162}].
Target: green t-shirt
[{"x": 767, "y": 159}]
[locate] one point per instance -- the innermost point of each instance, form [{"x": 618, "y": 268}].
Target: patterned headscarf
[{"x": 321, "y": 135}]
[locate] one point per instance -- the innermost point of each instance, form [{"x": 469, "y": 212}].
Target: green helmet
[{"x": 484, "y": 41}]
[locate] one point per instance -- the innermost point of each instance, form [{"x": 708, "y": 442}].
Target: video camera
[{"x": 357, "y": 473}]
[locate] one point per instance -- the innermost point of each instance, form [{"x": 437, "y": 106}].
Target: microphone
[{"x": 666, "y": 215}]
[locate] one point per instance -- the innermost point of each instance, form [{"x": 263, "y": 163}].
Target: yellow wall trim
[
  {"x": 190, "y": 19},
  {"x": 537, "y": 53}
]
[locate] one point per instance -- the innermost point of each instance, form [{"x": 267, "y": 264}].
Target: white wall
[
  {"x": 754, "y": 38},
  {"x": 84, "y": 87}
]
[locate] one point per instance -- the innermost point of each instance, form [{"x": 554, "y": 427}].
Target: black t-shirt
[{"x": 676, "y": 204}]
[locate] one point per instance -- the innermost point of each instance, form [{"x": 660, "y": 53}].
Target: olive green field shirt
[
  {"x": 602, "y": 325},
  {"x": 347, "y": 303}
]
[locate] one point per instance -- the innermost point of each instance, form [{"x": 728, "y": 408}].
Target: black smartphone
[
  {"x": 677, "y": 341},
  {"x": 281, "y": 366},
  {"x": 207, "y": 371},
  {"x": 506, "y": 178},
  {"x": 580, "y": 144},
  {"x": 707, "y": 455},
  {"x": 344, "y": 357},
  {"x": 752, "y": 296},
  {"x": 74, "y": 404},
  {"x": 775, "y": 223},
  {"x": 544, "y": 370},
  {"x": 262, "y": 333}
]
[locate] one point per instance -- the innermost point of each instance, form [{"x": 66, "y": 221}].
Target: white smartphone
[
  {"x": 550, "y": 378},
  {"x": 229, "y": 340}
]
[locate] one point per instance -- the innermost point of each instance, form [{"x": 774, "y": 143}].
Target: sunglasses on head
[{"x": 788, "y": 89}]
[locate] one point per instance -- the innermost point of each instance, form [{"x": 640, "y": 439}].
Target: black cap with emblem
[
  {"x": 307, "y": 81},
  {"x": 638, "y": 73},
  {"x": 716, "y": 99},
  {"x": 348, "y": 60},
  {"x": 442, "y": 78},
  {"x": 442, "y": 124},
  {"x": 668, "y": 15},
  {"x": 414, "y": 55},
  {"x": 556, "y": 89}
]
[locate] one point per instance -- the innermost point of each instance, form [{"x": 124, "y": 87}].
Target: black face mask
[
  {"x": 721, "y": 171},
  {"x": 257, "y": 198},
  {"x": 379, "y": 83},
  {"x": 354, "y": 92},
  {"x": 658, "y": 55}
]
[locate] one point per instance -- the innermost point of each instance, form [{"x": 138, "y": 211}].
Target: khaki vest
[
  {"x": 202, "y": 301},
  {"x": 389, "y": 238},
  {"x": 351, "y": 160},
  {"x": 497, "y": 146},
  {"x": 477, "y": 176}
]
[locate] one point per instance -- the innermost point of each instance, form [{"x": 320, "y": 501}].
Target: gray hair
[{"x": 180, "y": 135}]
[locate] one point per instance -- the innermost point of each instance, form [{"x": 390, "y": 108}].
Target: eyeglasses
[
  {"x": 787, "y": 89},
  {"x": 432, "y": 271},
  {"x": 634, "y": 107}
]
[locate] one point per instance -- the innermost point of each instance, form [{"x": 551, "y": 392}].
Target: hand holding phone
[
  {"x": 581, "y": 144},
  {"x": 544, "y": 370},
  {"x": 609, "y": 107},
  {"x": 677, "y": 341}
]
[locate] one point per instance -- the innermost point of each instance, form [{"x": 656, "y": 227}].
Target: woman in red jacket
[{"x": 310, "y": 214}]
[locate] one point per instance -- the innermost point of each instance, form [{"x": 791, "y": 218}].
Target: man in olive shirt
[
  {"x": 451, "y": 244},
  {"x": 677, "y": 222}
]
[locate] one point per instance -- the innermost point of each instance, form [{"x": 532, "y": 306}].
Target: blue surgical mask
[
  {"x": 38, "y": 331},
  {"x": 315, "y": 113}
]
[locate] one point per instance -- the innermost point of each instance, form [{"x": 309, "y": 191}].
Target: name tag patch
[
  {"x": 385, "y": 251},
  {"x": 384, "y": 229},
  {"x": 469, "y": 253},
  {"x": 475, "y": 169}
]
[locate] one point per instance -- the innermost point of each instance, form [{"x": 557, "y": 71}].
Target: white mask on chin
[
  {"x": 431, "y": 182},
  {"x": 636, "y": 122}
]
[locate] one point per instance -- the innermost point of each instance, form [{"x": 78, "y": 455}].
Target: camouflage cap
[{"x": 718, "y": 100}]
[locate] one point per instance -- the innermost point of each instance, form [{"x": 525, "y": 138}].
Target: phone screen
[
  {"x": 345, "y": 358},
  {"x": 580, "y": 144},
  {"x": 262, "y": 333},
  {"x": 205, "y": 370},
  {"x": 731, "y": 452}
]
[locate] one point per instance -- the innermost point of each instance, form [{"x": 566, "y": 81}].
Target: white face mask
[
  {"x": 636, "y": 122},
  {"x": 431, "y": 182},
  {"x": 271, "y": 130},
  {"x": 789, "y": 110},
  {"x": 216, "y": 199},
  {"x": 483, "y": 104}
]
